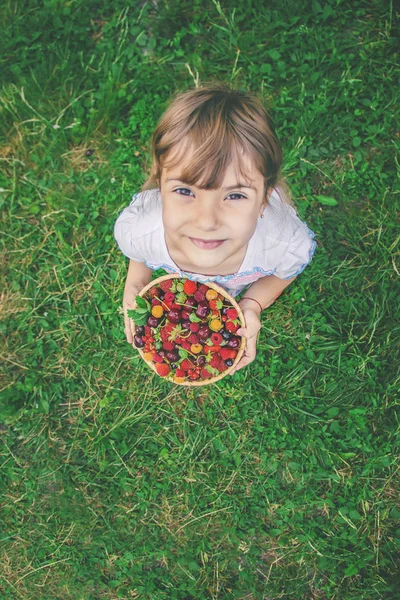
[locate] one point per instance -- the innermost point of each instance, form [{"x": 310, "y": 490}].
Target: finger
[
  {"x": 246, "y": 333},
  {"x": 128, "y": 331},
  {"x": 244, "y": 361}
]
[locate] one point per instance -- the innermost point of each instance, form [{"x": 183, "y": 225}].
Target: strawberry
[
  {"x": 157, "y": 358},
  {"x": 193, "y": 374},
  {"x": 162, "y": 369},
  {"x": 232, "y": 313},
  {"x": 166, "y": 332},
  {"x": 186, "y": 344},
  {"x": 215, "y": 361},
  {"x": 189, "y": 287},
  {"x": 215, "y": 348},
  {"x": 204, "y": 374},
  {"x": 186, "y": 364},
  {"x": 166, "y": 285},
  {"x": 228, "y": 353},
  {"x": 211, "y": 349},
  {"x": 231, "y": 327},
  {"x": 222, "y": 366},
  {"x": 213, "y": 304},
  {"x": 168, "y": 346}
]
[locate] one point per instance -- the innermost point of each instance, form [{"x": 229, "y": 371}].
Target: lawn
[{"x": 281, "y": 481}]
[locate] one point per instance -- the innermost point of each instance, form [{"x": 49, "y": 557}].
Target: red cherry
[{"x": 174, "y": 316}]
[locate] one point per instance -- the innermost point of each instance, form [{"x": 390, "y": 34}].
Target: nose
[{"x": 207, "y": 215}]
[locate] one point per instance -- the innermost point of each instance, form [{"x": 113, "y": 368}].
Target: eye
[
  {"x": 182, "y": 191},
  {"x": 236, "y": 194}
]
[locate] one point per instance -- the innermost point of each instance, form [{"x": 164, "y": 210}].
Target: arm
[
  {"x": 266, "y": 290},
  {"x": 137, "y": 278}
]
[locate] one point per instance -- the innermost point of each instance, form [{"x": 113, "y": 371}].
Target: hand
[
  {"x": 129, "y": 302},
  {"x": 250, "y": 332}
]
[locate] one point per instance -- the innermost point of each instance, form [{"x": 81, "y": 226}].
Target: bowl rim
[{"x": 218, "y": 289}]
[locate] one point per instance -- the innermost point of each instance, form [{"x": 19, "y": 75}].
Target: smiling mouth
[{"x": 206, "y": 244}]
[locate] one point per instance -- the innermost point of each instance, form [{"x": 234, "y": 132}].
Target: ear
[
  {"x": 267, "y": 195},
  {"x": 269, "y": 192}
]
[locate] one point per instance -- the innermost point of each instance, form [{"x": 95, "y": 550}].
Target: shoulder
[
  {"x": 281, "y": 221},
  {"x": 143, "y": 214},
  {"x": 137, "y": 228},
  {"x": 287, "y": 242}
]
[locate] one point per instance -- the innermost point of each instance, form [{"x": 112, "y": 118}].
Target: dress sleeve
[
  {"x": 126, "y": 232},
  {"x": 299, "y": 251}
]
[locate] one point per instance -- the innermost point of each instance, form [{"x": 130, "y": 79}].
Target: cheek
[{"x": 172, "y": 219}]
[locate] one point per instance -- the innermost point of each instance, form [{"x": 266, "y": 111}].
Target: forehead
[{"x": 240, "y": 170}]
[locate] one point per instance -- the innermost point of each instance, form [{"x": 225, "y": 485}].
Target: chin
[{"x": 206, "y": 262}]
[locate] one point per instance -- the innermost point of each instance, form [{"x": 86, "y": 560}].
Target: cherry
[
  {"x": 203, "y": 332},
  {"x": 233, "y": 342},
  {"x": 139, "y": 343},
  {"x": 199, "y": 296},
  {"x": 174, "y": 316},
  {"x": 202, "y": 310},
  {"x": 190, "y": 302}
]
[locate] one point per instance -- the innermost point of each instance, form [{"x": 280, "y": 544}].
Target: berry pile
[{"x": 187, "y": 329}]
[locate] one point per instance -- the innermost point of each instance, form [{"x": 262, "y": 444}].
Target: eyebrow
[{"x": 230, "y": 187}]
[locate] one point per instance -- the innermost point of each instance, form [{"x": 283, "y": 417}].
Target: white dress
[{"x": 282, "y": 244}]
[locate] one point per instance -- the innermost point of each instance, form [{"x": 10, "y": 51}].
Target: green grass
[{"x": 281, "y": 482}]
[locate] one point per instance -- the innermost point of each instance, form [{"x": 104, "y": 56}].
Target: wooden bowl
[{"x": 231, "y": 300}]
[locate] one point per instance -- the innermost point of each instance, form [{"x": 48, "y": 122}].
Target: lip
[{"x": 206, "y": 245}]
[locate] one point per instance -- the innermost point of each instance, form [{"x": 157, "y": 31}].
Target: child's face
[{"x": 211, "y": 228}]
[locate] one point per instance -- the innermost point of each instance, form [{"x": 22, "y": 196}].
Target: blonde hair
[{"x": 218, "y": 124}]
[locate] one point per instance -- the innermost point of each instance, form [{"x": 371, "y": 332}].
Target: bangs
[
  {"x": 202, "y": 160},
  {"x": 205, "y": 130}
]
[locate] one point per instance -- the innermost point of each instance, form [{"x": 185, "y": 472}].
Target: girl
[{"x": 214, "y": 207}]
